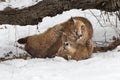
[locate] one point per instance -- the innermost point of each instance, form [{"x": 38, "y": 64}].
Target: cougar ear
[{"x": 73, "y": 20}]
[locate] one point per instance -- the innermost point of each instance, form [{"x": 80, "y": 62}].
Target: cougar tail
[{"x": 22, "y": 40}]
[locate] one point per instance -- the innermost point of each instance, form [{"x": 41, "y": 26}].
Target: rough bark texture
[
  {"x": 2, "y": 0},
  {"x": 34, "y": 14}
]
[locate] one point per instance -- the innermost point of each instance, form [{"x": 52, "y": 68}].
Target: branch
[
  {"x": 110, "y": 47},
  {"x": 34, "y": 14}
]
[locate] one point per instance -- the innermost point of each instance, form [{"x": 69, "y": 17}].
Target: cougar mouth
[
  {"x": 80, "y": 36},
  {"x": 77, "y": 36}
]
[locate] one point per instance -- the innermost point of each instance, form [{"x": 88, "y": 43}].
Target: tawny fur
[
  {"x": 72, "y": 33},
  {"x": 84, "y": 26},
  {"x": 37, "y": 45},
  {"x": 83, "y": 51},
  {"x": 73, "y": 50},
  {"x": 48, "y": 43}
]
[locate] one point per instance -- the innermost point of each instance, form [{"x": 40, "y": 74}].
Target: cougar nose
[{"x": 78, "y": 34}]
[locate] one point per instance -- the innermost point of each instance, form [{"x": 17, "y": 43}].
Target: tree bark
[{"x": 34, "y": 14}]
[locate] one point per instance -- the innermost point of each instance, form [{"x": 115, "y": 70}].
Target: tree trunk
[{"x": 34, "y": 14}]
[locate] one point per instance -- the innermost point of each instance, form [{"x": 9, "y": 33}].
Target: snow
[
  {"x": 101, "y": 66},
  {"x": 18, "y": 3}
]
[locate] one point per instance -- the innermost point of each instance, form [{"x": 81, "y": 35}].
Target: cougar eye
[
  {"x": 76, "y": 32},
  {"x": 83, "y": 27},
  {"x": 66, "y": 43}
]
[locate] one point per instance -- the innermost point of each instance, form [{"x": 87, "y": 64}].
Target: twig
[{"x": 96, "y": 18}]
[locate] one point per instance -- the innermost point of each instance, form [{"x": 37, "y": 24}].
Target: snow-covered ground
[{"x": 101, "y": 66}]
